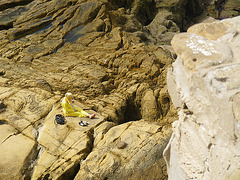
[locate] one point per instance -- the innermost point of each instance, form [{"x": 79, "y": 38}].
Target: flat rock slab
[{"x": 63, "y": 147}]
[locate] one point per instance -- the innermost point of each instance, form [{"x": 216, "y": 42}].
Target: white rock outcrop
[{"x": 204, "y": 84}]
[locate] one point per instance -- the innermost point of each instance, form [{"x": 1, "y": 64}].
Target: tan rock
[
  {"x": 63, "y": 147},
  {"x": 15, "y": 149},
  {"x": 211, "y": 31},
  {"x": 107, "y": 160},
  {"x": 149, "y": 106},
  {"x": 101, "y": 130},
  {"x": 30, "y": 105},
  {"x": 106, "y": 66},
  {"x": 3, "y": 80}
]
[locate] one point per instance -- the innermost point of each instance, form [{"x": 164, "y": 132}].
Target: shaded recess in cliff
[
  {"x": 132, "y": 112},
  {"x": 193, "y": 9},
  {"x": 28, "y": 165},
  {"x": 144, "y": 10},
  {"x": 11, "y": 4}
]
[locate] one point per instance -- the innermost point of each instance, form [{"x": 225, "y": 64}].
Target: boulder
[
  {"x": 128, "y": 151},
  {"x": 204, "y": 86}
]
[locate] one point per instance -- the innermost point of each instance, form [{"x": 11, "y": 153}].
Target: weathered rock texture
[
  {"x": 204, "y": 86},
  {"x": 96, "y": 50},
  {"x": 128, "y": 151},
  {"x": 113, "y": 56}
]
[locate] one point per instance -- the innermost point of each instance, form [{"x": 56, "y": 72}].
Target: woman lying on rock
[{"x": 70, "y": 110}]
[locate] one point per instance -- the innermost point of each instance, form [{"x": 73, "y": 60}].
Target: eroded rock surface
[
  {"x": 128, "y": 151},
  {"x": 204, "y": 86},
  {"x": 108, "y": 55},
  {"x": 113, "y": 56}
]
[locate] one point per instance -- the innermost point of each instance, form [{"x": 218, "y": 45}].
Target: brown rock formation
[
  {"x": 95, "y": 50},
  {"x": 113, "y": 56}
]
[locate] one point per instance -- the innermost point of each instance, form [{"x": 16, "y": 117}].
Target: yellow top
[{"x": 68, "y": 109}]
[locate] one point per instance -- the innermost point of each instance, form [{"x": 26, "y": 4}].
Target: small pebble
[{"x": 121, "y": 145}]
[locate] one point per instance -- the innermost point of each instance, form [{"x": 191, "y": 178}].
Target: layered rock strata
[
  {"x": 108, "y": 54},
  {"x": 95, "y": 50},
  {"x": 204, "y": 86}
]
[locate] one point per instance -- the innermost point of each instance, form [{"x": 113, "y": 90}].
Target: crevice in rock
[
  {"x": 72, "y": 172},
  {"x": 220, "y": 6},
  {"x": 132, "y": 112},
  {"x": 28, "y": 165},
  {"x": 146, "y": 14},
  {"x": 2, "y": 122},
  {"x": 193, "y": 9},
  {"x": 46, "y": 177},
  {"x": 14, "y": 4},
  {"x": 38, "y": 26},
  {"x": 7, "y": 138},
  {"x": 6, "y": 27}
]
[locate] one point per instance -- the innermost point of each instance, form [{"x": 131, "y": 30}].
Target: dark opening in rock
[
  {"x": 146, "y": 13},
  {"x": 194, "y": 59},
  {"x": 2, "y": 106},
  {"x": 2, "y": 122},
  {"x": 193, "y": 9},
  {"x": 70, "y": 173},
  {"x": 6, "y": 27},
  {"x": 2, "y": 73},
  {"x": 13, "y": 4},
  {"x": 46, "y": 177},
  {"x": 132, "y": 112}
]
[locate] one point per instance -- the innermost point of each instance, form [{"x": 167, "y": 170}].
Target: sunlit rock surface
[
  {"x": 107, "y": 55},
  {"x": 113, "y": 56},
  {"x": 204, "y": 86}
]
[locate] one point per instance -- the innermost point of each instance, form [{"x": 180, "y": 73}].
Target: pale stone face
[
  {"x": 198, "y": 51},
  {"x": 204, "y": 84}
]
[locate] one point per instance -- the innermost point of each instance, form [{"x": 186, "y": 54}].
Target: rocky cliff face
[
  {"x": 95, "y": 50},
  {"x": 204, "y": 86},
  {"x": 113, "y": 56}
]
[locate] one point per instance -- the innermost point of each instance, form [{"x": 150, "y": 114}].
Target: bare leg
[{"x": 91, "y": 116}]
